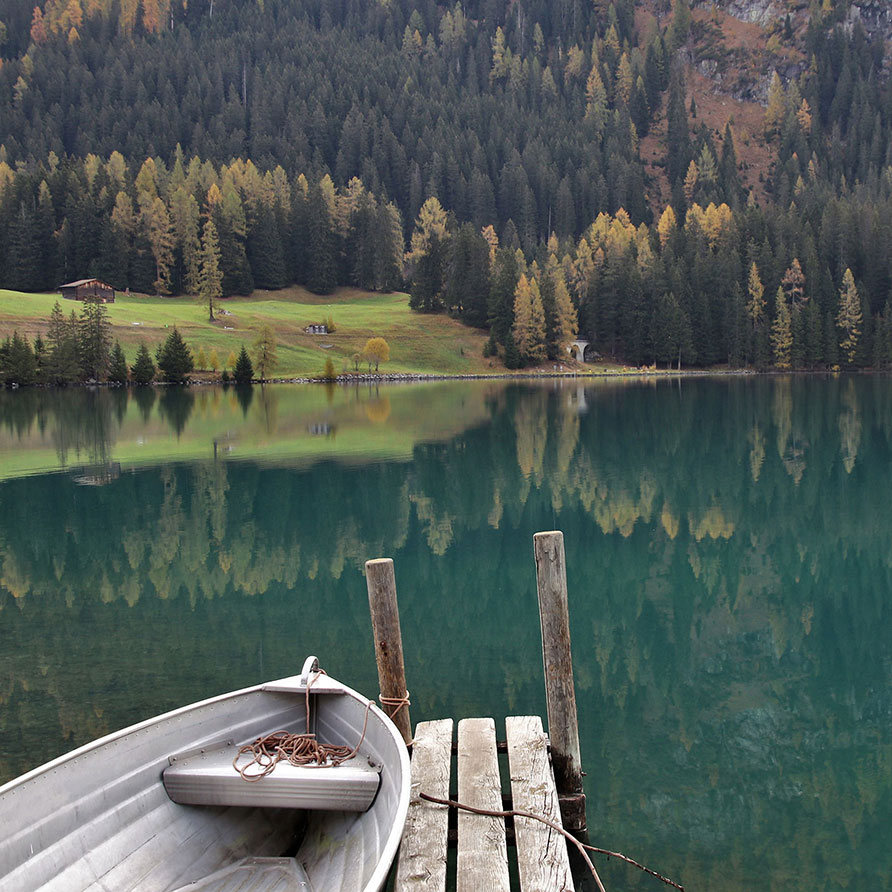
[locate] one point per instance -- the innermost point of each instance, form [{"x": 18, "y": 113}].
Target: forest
[{"x": 485, "y": 157}]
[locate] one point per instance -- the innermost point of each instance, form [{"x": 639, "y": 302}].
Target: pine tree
[
  {"x": 322, "y": 238},
  {"x": 18, "y": 365},
  {"x": 117, "y": 368},
  {"x": 243, "y": 373},
  {"x": 63, "y": 364},
  {"x": 143, "y": 371},
  {"x": 94, "y": 340},
  {"x": 174, "y": 358}
]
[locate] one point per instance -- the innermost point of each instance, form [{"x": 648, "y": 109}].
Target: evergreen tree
[
  {"x": 23, "y": 270},
  {"x": 426, "y": 289},
  {"x": 671, "y": 332},
  {"x": 18, "y": 365},
  {"x": 143, "y": 371},
  {"x": 501, "y": 295},
  {"x": 264, "y": 249},
  {"x": 322, "y": 238},
  {"x": 466, "y": 289},
  {"x": 117, "y": 369},
  {"x": 63, "y": 360},
  {"x": 243, "y": 373},
  {"x": 94, "y": 340},
  {"x": 174, "y": 358}
]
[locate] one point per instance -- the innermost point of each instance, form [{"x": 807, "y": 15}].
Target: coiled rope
[
  {"x": 297, "y": 749},
  {"x": 392, "y": 705}
]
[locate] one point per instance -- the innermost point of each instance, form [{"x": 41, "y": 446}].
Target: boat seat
[
  {"x": 267, "y": 874},
  {"x": 206, "y": 777}
]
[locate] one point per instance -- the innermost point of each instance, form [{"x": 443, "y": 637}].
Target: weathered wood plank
[
  {"x": 422, "y": 858},
  {"x": 482, "y": 849},
  {"x": 542, "y": 860},
  {"x": 381, "y": 584}
]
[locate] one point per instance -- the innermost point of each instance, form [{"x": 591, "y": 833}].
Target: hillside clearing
[{"x": 419, "y": 343}]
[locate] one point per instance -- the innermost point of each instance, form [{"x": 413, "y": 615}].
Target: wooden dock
[
  {"x": 482, "y": 840},
  {"x": 539, "y": 777}
]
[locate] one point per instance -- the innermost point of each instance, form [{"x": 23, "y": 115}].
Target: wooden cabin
[{"x": 88, "y": 289}]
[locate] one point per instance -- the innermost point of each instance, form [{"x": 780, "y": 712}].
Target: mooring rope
[
  {"x": 395, "y": 704},
  {"x": 298, "y": 749}
]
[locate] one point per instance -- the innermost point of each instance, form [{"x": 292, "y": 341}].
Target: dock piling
[
  {"x": 563, "y": 728},
  {"x": 381, "y": 584}
]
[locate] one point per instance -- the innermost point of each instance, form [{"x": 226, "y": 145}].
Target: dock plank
[
  {"x": 422, "y": 857},
  {"x": 482, "y": 848},
  {"x": 542, "y": 860}
]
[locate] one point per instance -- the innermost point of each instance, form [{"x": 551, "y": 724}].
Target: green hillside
[{"x": 419, "y": 344}]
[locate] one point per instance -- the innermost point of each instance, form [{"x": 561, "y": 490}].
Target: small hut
[{"x": 88, "y": 289}]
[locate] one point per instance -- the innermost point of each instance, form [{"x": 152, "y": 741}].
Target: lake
[{"x": 729, "y": 559}]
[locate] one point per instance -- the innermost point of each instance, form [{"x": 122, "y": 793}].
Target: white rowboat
[{"x": 103, "y": 818}]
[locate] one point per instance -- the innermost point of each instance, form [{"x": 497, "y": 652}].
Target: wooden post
[
  {"x": 388, "y": 643},
  {"x": 554, "y": 615}
]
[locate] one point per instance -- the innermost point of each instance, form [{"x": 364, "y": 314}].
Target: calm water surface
[{"x": 729, "y": 563}]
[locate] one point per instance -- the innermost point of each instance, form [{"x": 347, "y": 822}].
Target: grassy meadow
[{"x": 419, "y": 343}]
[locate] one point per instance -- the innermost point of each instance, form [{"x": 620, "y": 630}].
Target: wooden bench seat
[{"x": 208, "y": 778}]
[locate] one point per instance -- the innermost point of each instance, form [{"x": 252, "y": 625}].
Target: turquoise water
[{"x": 729, "y": 564}]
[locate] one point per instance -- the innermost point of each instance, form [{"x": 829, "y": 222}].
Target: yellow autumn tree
[
  {"x": 776, "y": 109},
  {"x": 667, "y": 226},
  {"x": 376, "y": 351},
  {"x": 529, "y": 320},
  {"x": 848, "y": 319},
  {"x": 782, "y": 331}
]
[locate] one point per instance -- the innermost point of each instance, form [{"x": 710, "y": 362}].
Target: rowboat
[{"x": 198, "y": 799}]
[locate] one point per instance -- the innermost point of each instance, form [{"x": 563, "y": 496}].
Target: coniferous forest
[{"x": 485, "y": 156}]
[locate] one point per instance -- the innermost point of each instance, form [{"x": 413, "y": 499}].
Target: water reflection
[{"x": 728, "y": 560}]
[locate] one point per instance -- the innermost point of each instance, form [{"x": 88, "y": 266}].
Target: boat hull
[{"x": 99, "y": 818}]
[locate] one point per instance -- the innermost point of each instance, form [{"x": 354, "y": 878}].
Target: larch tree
[
  {"x": 756, "y": 290},
  {"x": 529, "y": 320},
  {"x": 566, "y": 324},
  {"x": 265, "y": 359},
  {"x": 159, "y": 232},
  {"x": 793, "y": 284},
  {"x": 185, "y": 216},
  {"x": 776, "y": 109},
  {"x": 782, "y": 331},
  {"x": 848, "y": 319},
  {"x": 667, "y": 226},
  {"x": 210, "y": 276}
]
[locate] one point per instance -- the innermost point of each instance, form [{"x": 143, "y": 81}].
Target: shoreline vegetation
[{"x": 289, "y": 336}]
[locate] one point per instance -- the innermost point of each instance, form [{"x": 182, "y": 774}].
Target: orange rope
[
  {"x": 395, "y": 703},
  {"x": 298, "y": 749}
]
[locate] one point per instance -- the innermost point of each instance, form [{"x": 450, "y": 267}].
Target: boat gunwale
[{"x": 293, "y": 685}]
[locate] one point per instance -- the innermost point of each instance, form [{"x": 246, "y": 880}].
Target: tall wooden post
[
  {"x": 563, "y": 729},
  {"x": 388, "y": 643}
]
